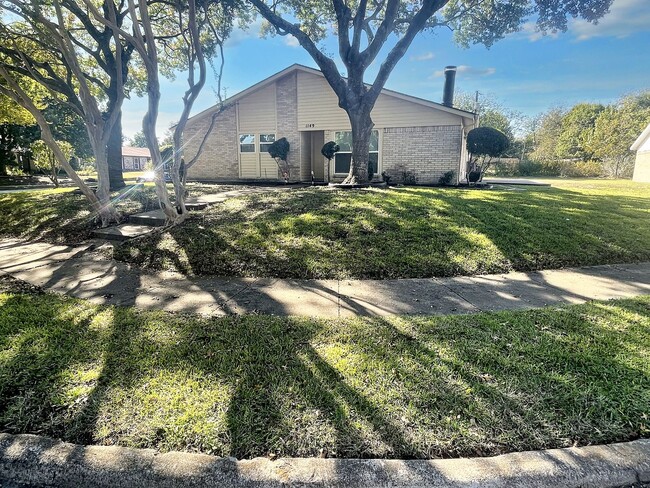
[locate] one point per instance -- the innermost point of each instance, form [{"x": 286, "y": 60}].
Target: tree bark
[
  {"x": 114, "y": 155},
  {"x": 362, "y": 125}
]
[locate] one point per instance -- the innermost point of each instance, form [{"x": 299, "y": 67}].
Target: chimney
[{"x": 450, "y": 80}]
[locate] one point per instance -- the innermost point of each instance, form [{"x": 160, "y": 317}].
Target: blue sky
[{"x": 525, "y": 72}]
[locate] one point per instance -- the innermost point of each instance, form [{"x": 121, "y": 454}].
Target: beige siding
[
  {"x": 642, "y": 167},
  {"x": 318, "y": 109},
  {"x": 249, "y": 165},
  {"x": 257, "y": 111},
  {"x": 268, "y": 167}
]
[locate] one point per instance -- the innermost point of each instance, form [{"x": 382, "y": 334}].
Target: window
[
  {"x": 265, "y": 142},
  {"x": 343, "y": 158},
  {"x": 247, "y": 143}
]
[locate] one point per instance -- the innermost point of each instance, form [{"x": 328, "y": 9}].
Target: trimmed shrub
[
  {"x": 280, "y": 149},
  {"x": 329, "y": 149},
  {"x": 447, "y": 178},
  {"x": 486, "y": 141}
]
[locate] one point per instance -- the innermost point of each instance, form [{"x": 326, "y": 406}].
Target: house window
[
  {"x": 265, "y": 142},
  {"x": 343, "y": 158},
  {"x": 247, "y": 143}
]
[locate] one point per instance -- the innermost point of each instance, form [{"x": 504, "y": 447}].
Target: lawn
[
  {"x": 59, "y": 215},
  {"x": 407, "y": 232},
  {"x": 403, "y": 387}
]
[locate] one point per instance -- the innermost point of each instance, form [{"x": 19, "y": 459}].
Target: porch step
[
  {"x": 152, "y": 218},
  {"x": 122, "y": 232}
]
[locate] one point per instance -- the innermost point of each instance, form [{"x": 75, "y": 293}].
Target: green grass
[
  {"x": 407, "y": 232},
  {"x": 401, "y": 387},
  {"x": 61, "y": 216}
]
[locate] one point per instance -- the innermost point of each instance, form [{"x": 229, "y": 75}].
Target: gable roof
[
  {"x": 641, "y": 139},
  {"x": 306, "y": 69},
  {"x": 141, "y": 152}
]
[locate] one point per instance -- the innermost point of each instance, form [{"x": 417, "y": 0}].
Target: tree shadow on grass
[
  {"x": 399, "y": 388},
  {"x": 401, "y": 233}
]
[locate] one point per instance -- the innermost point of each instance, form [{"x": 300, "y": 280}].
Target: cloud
[
  {"x": 239, "y": 34},
  {"x": 291, "y": 41},
  {"x": 467, "y": 72},
  {"x": 423, "y": 57},
  {"x": 626, "y": 17}
]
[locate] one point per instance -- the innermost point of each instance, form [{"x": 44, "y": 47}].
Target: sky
[{"x": 526, "y": 72}]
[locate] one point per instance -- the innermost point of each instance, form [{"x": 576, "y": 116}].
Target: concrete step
[
  {"x": 196, "y": 205},
  {"x": 122, "y": 232},
  {"x": 153, "y": 218}
]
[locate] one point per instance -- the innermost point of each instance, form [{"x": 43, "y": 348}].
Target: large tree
[
  {"x": 577, "y": 131},
  {"x": 98, "y": 54},
  {"x": 365, "y": 29},
  {"x": 188, "y": 32},
  {"x": 41, "y": 48},
  {"x": 616, "y": 129}
]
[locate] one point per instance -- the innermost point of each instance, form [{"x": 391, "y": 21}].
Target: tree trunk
[
  {"x": 114, "y": 155},
  {"x": 362, "y": 125}
]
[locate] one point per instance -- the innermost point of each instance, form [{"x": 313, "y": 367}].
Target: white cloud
[
  {"x": 238, "y": 34},
  {"x": 423, "y": 57},
  {"x": 625, "y": 17},
  {"x": 467, "y": 72},
  {"x": 291, "y": 41}
]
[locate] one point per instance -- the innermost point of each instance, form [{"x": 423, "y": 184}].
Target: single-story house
[
  {"x": 642, "y": 164},
  {"x": 135, "y": 158},
  {"x": 412, "y": 137}
]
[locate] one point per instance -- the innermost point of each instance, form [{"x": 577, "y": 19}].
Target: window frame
[
  {"x": 254, "y": 144},
  {"x": 378, "y": 152}
]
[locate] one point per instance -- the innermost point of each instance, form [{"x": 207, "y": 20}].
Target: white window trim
[{"x": 379, "y": 145}]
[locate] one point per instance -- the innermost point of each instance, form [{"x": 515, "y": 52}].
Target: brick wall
[
  {"x": 220, "y": 157},
  {"x": 287, "y": 120},
  {"x": 428, "y": 152}
]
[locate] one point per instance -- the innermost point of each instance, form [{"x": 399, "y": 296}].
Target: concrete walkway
[
  {"x": 28, "y": 460},
  {"x": 85, "y": 272}
]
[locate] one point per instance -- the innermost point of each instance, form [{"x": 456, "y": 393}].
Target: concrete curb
[{"x": 39, "y": 461}]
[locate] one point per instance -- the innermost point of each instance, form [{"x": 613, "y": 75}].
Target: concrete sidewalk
[
  {"x": 84, "y": 272},
  {"x": 28, "y": 460}
]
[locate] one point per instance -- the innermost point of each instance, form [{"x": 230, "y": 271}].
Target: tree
[
  {"x": 190, "y": 33},
  {"x": 15, "y": 140},
  {"x": 577, "y": 130},
  {"x": 363, "y": 29},
  {"x": 138, "y": 140},
  {"x": 546, "y": 134},
  {"x": 41, "y": 48},
  {"x": 45, "y": 159},
  {"x": 616, "y": 129}
]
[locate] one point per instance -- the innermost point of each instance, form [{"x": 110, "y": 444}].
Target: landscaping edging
[{"x": 40, "y": 461}]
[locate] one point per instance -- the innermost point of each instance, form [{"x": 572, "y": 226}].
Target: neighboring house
[
  {"x": 642, "y": 164},
  {"x": 135, "y": 158},
  {"x": 412, "y": 135}
]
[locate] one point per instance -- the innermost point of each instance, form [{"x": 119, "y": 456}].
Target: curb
[{"x": 39, "y": 461}]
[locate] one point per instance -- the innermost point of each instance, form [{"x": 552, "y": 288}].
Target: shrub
[
  {"x": 386, "y": 177},
  {"x": 329, "y": 149},
  {"x": 483, "y": 144},
  {"x": 409, "y": 177},
  {"x": 447, "y": 178},
  {"x": 280, "y": 149}
]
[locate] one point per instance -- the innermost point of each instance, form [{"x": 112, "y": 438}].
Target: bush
[
  {"x": 329, "y": 149},
  {"x": 409, "y": 177},
  {"x": 447, "y": 178},
  {"x": 280, "y": 149},
  {"x": 486, "y": 141}
]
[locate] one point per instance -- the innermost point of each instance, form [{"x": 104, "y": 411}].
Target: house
[
  {"x": 135, "y": 158},
  {"x": 642, "y": 164},
  {"x": 412, "y": 137}
]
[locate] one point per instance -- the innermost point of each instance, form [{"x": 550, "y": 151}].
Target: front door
[{"x": 317, "y": 159}]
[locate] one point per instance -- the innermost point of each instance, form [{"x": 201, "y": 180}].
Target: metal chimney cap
[{"x": 451, "y": 68}]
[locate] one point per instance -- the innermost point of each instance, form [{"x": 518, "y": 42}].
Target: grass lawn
[
  {"x": 58, "y": 215},
  {"x": 407, "y": 232},
  {"x": 401, "y": 387}
]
